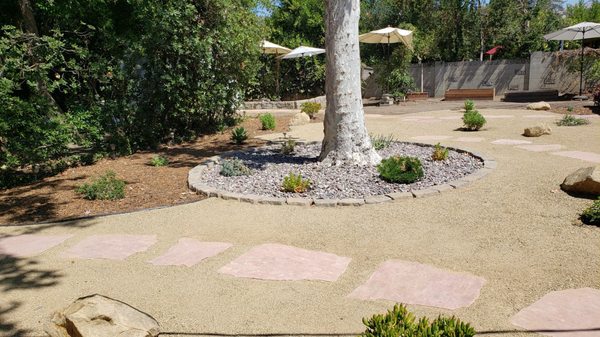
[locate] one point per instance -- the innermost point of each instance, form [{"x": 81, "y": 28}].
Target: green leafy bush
[
  {"x": 288, "y": 146},
  {"x": 439, "y": 152},
  {"x": 105, "y": 187},
  {"x": 570, "y": 120},
  {"x": 473, "y": 120},
  {"x": 402, "y": 170},
  {"x": 310, "y": 108},
  {"x": 233, "y": 168},
  {"x": 239, "y": 135},
  {"x": 380, "y": 142},
  {"x": 294, "y": 183},
  {"x": 469, "y": 105},
  {"x": 591, "y": 215},
  {"x": 399, "y": 322},
  {"x": 159, "y": 161},
  {"x": 267, "y": 121}
]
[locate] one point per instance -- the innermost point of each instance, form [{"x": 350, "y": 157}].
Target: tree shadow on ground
[{"x": 7, "y": 327}]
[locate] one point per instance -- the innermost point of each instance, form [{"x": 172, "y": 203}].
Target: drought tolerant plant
[
  {"x": 591, "y": 215},
  {"x": 401, "y": 322},
  {"x": 310, "y": 108},
  {"x": 159, "y": 161},
  {"x": 239, "y": 135},
  {"x": 570, "y": 108},
  {"x": 233, "y": 168},
  {"x": 288, "y": 146},
  {"x": 439, "y": 152},
  {"x": 473, "y": 120},
  {"x": 380, "y": 142},
  {"x": 294, "y": 183},
  {"x": 402, "y": 170},
  {"x": 267, "y": 121},
  {"x": 469, "y": 105},
  {"x": 570, "y": 120},
  {"x": 105, "y": 187}
]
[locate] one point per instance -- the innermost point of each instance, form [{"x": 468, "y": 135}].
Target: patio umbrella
[
  {"x": 272, "y": 48},
  {"x": 303, "y": 51},
  {"x": 580, "y": 31},
  {"x": 388, "y": 35}
]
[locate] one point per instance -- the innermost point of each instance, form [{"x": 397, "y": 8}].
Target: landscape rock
[
  {"x": 538, "y": 106},
  {"x": 585, "y": 181},
  {"x": 300, "y": 118},
  {"x": 100, "y": 316},
  {"x": 537, "y": 131}
]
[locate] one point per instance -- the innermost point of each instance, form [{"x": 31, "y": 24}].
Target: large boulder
[
  {"x": 538, "y": 106},
  {"x": 100, "y": 316},
  {"x": 300, "y": 118},
  {"x": 536, "y": 131},
  {"x": 583, "y": 181}
]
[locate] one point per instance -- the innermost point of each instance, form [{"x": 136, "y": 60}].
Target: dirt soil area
[{"x": 54, "y": 198}]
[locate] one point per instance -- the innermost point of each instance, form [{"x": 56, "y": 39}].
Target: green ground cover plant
[
  {"x": 402, "y": 170},
  {"x": 294, "y": 183},
  {"x": 570, "y": 120},
  {"x": 234, "y": 167},
  {"x": 591, "y": 215},
  {"x": 159, "y": 161},
  {"x": 105, "y": 187},
  {"x": 267, "y": 121}
]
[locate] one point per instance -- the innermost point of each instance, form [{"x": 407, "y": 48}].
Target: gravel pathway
[{"x": 269, "y": 168}]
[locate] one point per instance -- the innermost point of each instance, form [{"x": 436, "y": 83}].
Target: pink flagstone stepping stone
[
  {"x": 188, "y": 252},
  {"x": 510, "y": 142},
  {"x": 541, "y": 147},
  {"x": 29, "y": 244},
  {"x": 111, "y": 246},
  {"x": 425, "y": 138},
  {"x": 469, "y": 139},
  {"x": 574, "y": 311},
  {"x": 416, "y": 283},
  {"x": 279, "y": 262},
  {"x": 587, "y": 156}
]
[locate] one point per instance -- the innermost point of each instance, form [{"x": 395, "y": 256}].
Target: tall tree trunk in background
[
  {"x": 29, "y": 23},
  {"x": 346, "y": 140}
]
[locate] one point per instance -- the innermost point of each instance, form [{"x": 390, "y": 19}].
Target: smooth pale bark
[{"x": 346, "y": 140}]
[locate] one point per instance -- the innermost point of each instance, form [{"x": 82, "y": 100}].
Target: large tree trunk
[{"x": 346, "y": 140}]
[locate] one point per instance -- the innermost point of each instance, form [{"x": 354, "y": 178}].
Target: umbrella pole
[
  {"x": 277, "y": 61},
  {"x": 581, "y": 66}
]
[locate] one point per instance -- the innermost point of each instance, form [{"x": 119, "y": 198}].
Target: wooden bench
[
  {"x": 531, "y": 96},
  {"x": 474, "y": 94},
  {"x": 417, "y": 96}
]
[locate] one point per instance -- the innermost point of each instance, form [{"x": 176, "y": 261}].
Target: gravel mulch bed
[{"x": 269, "y": 167}]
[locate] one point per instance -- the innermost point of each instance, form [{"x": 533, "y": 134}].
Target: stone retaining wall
[{"x": 282, "y": 105}]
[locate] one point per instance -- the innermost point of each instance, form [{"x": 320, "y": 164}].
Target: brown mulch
[
  {"x": 576, "y": 110},
  {"x": 54, "y": 198}
]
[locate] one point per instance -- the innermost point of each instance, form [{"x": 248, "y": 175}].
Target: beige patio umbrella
[
  {"x": 272, "y": 48},
  {"x": 388, "y": 35}
]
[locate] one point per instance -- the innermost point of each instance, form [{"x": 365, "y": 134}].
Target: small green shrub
[
  {"x": 267, "y": 121},
  {"x": 570, "y": 108},
  {"x": 439, "y": 152},
  {"x": 402, "y": 170},
  {"x": 473, "y": 120},
  {"x": 591, "y": 215},
  {"x": 105, "y": 187},
  {"x": 469, "y": 105},
  {"x": 570, "y": 120},
  {"x": 233, "y": 168},
  {"x": 239, "y": 135},
  {"x": 288, "y": 146},
  {"x": 402, "y": 323},
  {"x": 159, "y": 161},
  {"x": 295, "y": 183},
  {"x": 310, "y": 108},
  {"x": 380, "y": 142}
]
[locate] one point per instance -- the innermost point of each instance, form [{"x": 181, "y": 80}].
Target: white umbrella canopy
[
  {"x": 272, "y": 48},
  {"x": 580, "y": 31},
  {"x": 388, "y": 35},
  {"x": 303, "y": 51}
]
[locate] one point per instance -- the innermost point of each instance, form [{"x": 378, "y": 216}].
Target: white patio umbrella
[
  {"x": 303, "y": 51},
  {"x": 388, "y": 35},
  {"x": 272, "y": 48},
  {"x": 580, "y": 31}
]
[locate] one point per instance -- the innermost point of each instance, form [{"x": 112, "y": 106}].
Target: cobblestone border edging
[{"x": 195, "y": 184}]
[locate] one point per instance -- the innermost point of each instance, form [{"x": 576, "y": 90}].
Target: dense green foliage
[
  {"x": 591, "y": 215},
  {"x": 401, "y": 322},
  {"x": 401, "y": 170},
  {"x": 267, "y": 121},
  {"x": 239, "y": 135},
  {"x": 234, "y": 167},
  {"x": 570, "y": 120},
  {"x": 310, "y": 108},
  {"x": 469, "y": 105},
  {"x": 105, "y": 187},
  {"x": 120, "y": 75},
  {"x": 294, "y": 183},
  {"x": 380, "y": 142},
  {"x": 439, "y": 152}
]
